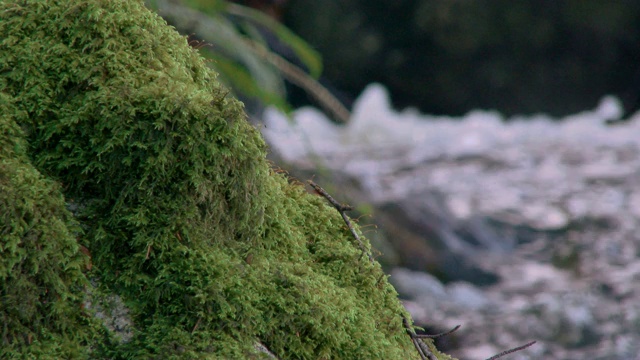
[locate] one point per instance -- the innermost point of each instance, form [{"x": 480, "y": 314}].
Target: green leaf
[
  {"x": 309, "y": 57},
  {"x": 243, "y": 81}
]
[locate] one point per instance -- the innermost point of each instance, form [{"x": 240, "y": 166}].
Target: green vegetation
[
  {"x": 41, "y": 267},
  {"x": 232, "y": 36},
  {"x": 108, "y": 111}
]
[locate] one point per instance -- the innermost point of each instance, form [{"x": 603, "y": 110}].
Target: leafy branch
[{"x": 241, "y": 54}]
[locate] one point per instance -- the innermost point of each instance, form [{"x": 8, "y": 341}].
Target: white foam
[{"x": 379, "y": 139}]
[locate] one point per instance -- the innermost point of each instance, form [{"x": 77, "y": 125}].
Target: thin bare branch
[
  {"x": 341, "y": 209},
  {"x": 435, "y": 336},
  {"x": 195, "y": 327},
  {"x": 323, "y": 192},
  {"x": 421, "y": 347},
  {"x": 511, "y": 351}
]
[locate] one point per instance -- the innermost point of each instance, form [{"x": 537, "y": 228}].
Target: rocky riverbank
[{"x": 529, "y": 224}]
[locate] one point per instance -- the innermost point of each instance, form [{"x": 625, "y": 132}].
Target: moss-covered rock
[
  {"x": 209, "y": 249},
  {"x": 41, "y": 279}
]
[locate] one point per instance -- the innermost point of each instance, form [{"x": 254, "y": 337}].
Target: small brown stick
[
  {"x": 341, "y": 209},
  {"x": 421, "y": 347},
  {"x": 195, "y": 327},
  {"x": 323, "y": 192},
  {"x": 511, "y": 351},
  {"x": 435, "y": 336}
]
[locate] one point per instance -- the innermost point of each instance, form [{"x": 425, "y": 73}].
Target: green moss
[
  {"x": 41, "y": 279},
  {"x": 185, "y": 221}
]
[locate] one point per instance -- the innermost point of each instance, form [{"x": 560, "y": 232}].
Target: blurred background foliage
[
  {"x": 238, "y": 39},
  {"x": 443, "y": 57},
  {"x": 451, "y": 56}
]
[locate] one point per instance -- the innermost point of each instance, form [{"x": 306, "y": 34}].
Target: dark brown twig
[
  {"x": 435, "y": 336},
  {"x": 341, "y": 209},
  {"x": 195, "y": 327},
  {"x": 511, "y": 351},
  {"x": 323, "y": 192},
  {"x": 421, "y": 347}
]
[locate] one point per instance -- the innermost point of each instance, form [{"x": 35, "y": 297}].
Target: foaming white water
[{"x": 377, "y": 132}]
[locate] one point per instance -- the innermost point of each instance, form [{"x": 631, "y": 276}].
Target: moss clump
[
  {"x": 185, "y": 221},
  {"x": 41, "y": 279}
]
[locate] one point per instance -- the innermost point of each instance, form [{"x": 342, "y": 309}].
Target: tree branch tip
[
  {"x": 511, "y": 351},
  {"x": 439, "y": 335}
]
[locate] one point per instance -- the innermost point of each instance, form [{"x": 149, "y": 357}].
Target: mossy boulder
[
  {"x": 41, "y": 267},
  {"x": 209, "y": 249}
]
